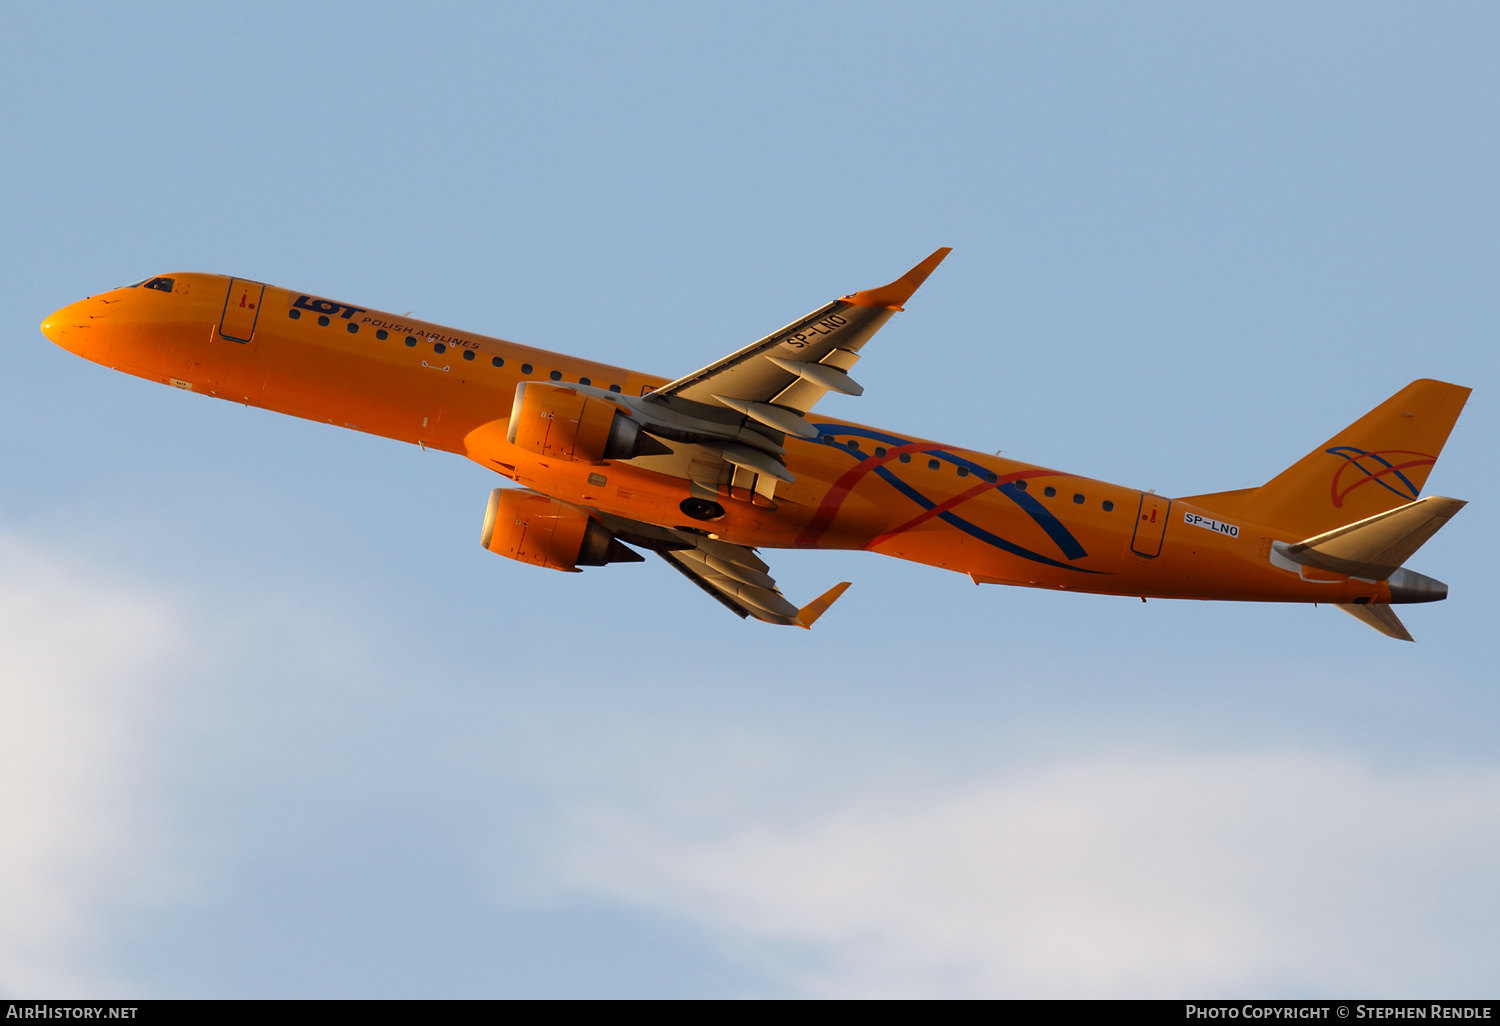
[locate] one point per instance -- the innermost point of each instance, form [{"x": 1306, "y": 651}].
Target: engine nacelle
[
  {"x": 538, "y": 529},
  {"x": 566, "y": 424}
]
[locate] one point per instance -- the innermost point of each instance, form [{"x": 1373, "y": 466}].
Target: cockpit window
[
  {"x": 135, "y": 284},
  {"x": 160, "y": 284}
]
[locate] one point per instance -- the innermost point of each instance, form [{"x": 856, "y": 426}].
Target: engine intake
[{"x": 538, "y": 529}]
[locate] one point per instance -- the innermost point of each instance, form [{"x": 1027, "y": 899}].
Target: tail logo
[{"x": 1376, "y": 467}]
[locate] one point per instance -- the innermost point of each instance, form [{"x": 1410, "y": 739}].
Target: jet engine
[
  {"x": 535, "y": 528},
  {"x": 568, "y": 424}
]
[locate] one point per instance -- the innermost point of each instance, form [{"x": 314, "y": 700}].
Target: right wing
[{"x": 733, "y": 574}]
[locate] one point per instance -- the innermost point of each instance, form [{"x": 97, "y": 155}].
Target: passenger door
[
  {"x": 1150, "y": 524},
  {"x": 241, "y": 310}
]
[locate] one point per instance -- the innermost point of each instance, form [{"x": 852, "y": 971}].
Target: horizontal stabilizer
[
  {"x": 1374, "y": 548},
  {"x": 1380, "y": 616}
]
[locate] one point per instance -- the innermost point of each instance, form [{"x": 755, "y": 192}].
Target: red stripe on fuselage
[
  {"x": 958, "y": 499},
  {"x": 834, "y": 498}
]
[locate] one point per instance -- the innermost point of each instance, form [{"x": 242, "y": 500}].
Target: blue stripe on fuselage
[{"x": 1044, "y": 518}]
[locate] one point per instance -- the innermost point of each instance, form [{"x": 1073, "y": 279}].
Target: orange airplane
[{"x": 707, "y": 468}]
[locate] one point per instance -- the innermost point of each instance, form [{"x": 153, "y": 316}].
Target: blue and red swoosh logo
[
  {"x": 867, "y": 463},
  {"x": 1382, "y": 467}
]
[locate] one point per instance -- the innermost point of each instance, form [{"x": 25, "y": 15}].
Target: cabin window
[
  {"x": 933, "y": 464},
  {"x": 853, "y": 445},
  {"x": 1021, "y": 485},
  {"x": 293, "y": 313},
  {"x": 382, "y": 334},
  {"x": 1109, "y": 507},
  {"x": 468, "y": 354},
  {"x": 438, "y": 347},
  {"x": 497, "y": 361},
  {"x": 906, "y": 457},
  {"x": 353, "y": 328},
  {"x": 525, "y": 368},
  {"x": 411, "y": 341},
  {"x": 585, "y": 381},
  {"x": 880, "y": 451},
  {"x": 160, "y": 284},
  {"x": 1077, "y": 500},
  {"x": 323, "y": 321},
  {"x": 1049, "y": 491},
  {"x": 614, "y": 388},
  {"x": 555, "y": 375},
  {"x": 991, "y": 478},
  {"x": 963, "y": 471}
]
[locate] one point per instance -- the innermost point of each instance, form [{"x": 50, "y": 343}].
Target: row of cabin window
[
  {"x": 905, "y": 457},
  {"x": 439, "y": 347},
  {"x": 989, "y": 476},
  {"x": 1078, "y": 499}
]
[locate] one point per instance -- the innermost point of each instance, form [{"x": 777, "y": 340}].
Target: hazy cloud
[
  {"x": 74, "y": 830},
  {"x": 1195, "y": 874},
  {"x": 802, "y": 859}
]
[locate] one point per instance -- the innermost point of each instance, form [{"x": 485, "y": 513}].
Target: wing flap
[{"x": 766, "y": 604}]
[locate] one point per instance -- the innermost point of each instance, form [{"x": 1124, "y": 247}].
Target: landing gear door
[
  {"x": 241, "y": 310},
  {"x": 1150, "y": 524}
]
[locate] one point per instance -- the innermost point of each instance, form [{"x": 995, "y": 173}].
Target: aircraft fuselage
[{"x": 855, "y": 487}]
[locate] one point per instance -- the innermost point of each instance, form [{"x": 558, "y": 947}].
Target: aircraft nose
[
  {"x": 52, "y": 327},
  {"x": 66, "y": 327}
]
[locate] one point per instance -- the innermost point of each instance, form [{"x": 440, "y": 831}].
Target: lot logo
[{"x": 327, "y": 306}]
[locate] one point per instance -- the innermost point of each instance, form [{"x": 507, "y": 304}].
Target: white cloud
[
  {"x": 73, "y": 830},
  {"x": 1280, "y": 873},
  {"x": 801, "y": 856}
]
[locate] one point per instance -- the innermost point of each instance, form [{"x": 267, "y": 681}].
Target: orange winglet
[
  {"x": 900, "y": 290},
  {"x": 808, "y": 614}
]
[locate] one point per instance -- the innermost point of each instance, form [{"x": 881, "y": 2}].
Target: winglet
[
  {"x": 900, "y": 290},
  {"x": 808, "y": 614}
]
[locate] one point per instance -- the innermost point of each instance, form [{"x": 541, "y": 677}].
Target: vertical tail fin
[{"x": 1379, "y": 462}]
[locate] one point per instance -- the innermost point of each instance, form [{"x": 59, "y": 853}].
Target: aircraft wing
[
  {"x": 733, "y": 574},
  {"x": 782, "y": 376}
]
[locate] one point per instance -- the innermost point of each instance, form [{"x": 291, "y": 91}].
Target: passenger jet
[{"x": 708, "y": 469}]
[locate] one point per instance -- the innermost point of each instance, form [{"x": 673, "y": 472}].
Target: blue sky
[{"x": 273, "y": 724}]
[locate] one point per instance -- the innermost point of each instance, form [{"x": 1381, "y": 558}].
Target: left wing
[
  {"x": 723, "y": 427},
  {"x": 733, "y": 574},
  {"x": 776, "y": 380}
]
